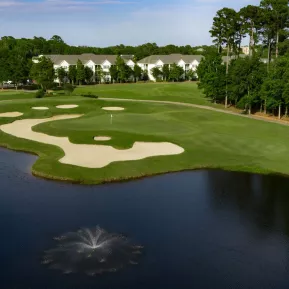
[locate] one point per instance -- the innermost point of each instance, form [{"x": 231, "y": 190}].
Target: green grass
[
  {"x": 10, "y": 95},
  {"x": 187, "y": 92},
  {"x": 210, "y": 139}
]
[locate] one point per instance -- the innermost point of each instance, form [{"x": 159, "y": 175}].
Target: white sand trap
[
  {"x": 11, "y": 114},
  {"x": 102, "y": 138},
  {"x": 113, "y": 108},
  {"x": 67, "y": 106},
  {"x": 40, "y": 108},
  {"x": 89, "y": 156}
]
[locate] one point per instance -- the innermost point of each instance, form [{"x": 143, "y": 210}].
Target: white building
[
  {"x": 245, "y": 50},
  {"x": 187, "y": 62},
  {"x": 91, "y": 60}
]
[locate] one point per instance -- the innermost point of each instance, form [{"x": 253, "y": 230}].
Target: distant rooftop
[{"x": 85, "y": 57}]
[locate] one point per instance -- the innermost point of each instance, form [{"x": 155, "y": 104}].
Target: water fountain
[{"x": 91, "y": 251}]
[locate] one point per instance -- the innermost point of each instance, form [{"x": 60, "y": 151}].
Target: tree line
[
  {"x": 16, "y": 56},
  {"x": 253, "y": 83}
]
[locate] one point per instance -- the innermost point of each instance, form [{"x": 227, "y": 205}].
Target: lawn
[
  {"x": 210, "y": 139},
  {"x": 187, "y": 92},
  {"x": 12, "y": 94}
]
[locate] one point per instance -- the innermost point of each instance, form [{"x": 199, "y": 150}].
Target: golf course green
[{"x": 209, "y": 139}]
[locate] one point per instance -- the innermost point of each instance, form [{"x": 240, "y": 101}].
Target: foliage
[
  {"x": 88, "y": 74},
  {"x": 113, "y": 71},
  {"x": 40, "y": 93},
  {"x": 137, "y": 72},
  {"x": 90, "y": 95},
  {"x": 61, "y": 74},
  {"x": 43, "y": 72},
  {"x": 124, "y": 71},
  {"x": 68, "y": 88},
  {"x": 166, "y": 72},
  {"x": 244, "y": 81},
  {"x": 176, "y": 72},
  {"x": 99, "y": 74},
  {"x": 72, "y": 74},
  {"x": 156, "y": 73},
  {"x": 191, "y": 75},
  {"x": 3, "y": 65},
  {"x": 80, "y": 72},
  {"x": 212, "y": 76},
  {"x": 275, "y": 85}
]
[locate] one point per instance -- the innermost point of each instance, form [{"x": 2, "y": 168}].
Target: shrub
[
  {"x": 68, "y": 88},
  {"x": 31, "y": 87},
  {"x": 40, "y": 93},
  {"x": 89, "y": 94}
]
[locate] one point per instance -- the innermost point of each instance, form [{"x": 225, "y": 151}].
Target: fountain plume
[{"x": 91, "y": 251}]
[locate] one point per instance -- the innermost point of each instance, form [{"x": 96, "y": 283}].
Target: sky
[{"x": 104, "y": 23}]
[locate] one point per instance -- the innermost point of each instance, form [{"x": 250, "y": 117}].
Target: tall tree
[
  {"x": 224, "y": 32},
  {"x": 156, "y": 73},
  {"x": 80, "y": 72},
  {"x": 245, "y": 79},
  {"x": 137, "y": 72},
  {"x": 18, "y": 68},
  {"x": 4, "y": 65},
  {"x": 166, "y": 72},
  {"x": 124, "y": 71},
  {"x": 212, "y": 77},
  {"x": 99, "y": 74},
  {"x": 43, "y": 72},
  {"x": 276, "y": 13},
  {"x": 275, "y": 84},
  {"x": 72, "y": 74},
  {"x": 88, "y": 74},
  {"x": 251, "y": 20},
  {"x": 57, "y": 39},
  {"x": 176, "y": 72},
  {"x": 61, "y": 75},
  {"x": 113, "y": 71}
]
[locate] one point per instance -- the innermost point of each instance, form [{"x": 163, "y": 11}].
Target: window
[{"x": 106, "y": 66}]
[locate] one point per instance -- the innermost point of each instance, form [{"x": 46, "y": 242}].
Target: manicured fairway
[
  {"x": 182, "y": 92},
  {"x": 210, "y": 139}
]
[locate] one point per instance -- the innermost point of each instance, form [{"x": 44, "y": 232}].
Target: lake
[{"x": 199, "y": 229}]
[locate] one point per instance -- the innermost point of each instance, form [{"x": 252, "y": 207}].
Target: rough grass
[{"x": 210, "y": 139}]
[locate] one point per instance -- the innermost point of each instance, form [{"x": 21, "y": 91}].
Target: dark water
[{"x": 206, "y": 229}]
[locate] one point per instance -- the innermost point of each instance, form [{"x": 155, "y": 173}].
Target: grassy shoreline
[{"x": 47, "y": 176}]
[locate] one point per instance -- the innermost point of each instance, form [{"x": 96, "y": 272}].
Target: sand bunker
[
  {"x": 40, "y": 107},
  {"x": 102, "y": 138},
  {"x": 89, "y": 156},
  {"x": 67, "y": 106},
  {"x": 113, "y": 108},
  {"x": 11, "y": 114}
]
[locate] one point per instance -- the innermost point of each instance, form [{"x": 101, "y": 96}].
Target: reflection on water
[
  {"x": 261, "y": 200},
  {"x": 202, "y": 229}
]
